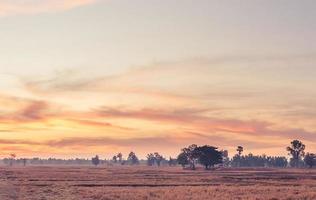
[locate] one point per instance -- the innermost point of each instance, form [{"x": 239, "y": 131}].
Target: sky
[{"x": 86, "y": 77}]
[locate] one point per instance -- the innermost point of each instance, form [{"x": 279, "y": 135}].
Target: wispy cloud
[
  {"x": 17, "y": 7},
  {"x": 199, "y": 121},
  {"x": 169, "y": 104},
  {"x": 25, "y": 110},
  {"x": 34, "y": 111},
  {"x": 254, "y": 76},
  {"x": 21, "y": 111}
]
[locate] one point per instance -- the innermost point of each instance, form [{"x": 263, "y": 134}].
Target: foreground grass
[{"x": 136, "y": 183}]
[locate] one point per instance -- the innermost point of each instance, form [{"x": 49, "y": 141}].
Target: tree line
[
  {"x": 210, "y": 156},
  {"x": 189, "y": 158}
]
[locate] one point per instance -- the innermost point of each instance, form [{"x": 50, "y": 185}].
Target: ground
[{"x": 140, "y": 182}]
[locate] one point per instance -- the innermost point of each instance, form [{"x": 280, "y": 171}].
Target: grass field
[{"x": 136, "y": 183}]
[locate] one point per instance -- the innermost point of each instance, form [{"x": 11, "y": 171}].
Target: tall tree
[
  {"x": 296, "y": 150},
  {"x": 239, "y": 150}
]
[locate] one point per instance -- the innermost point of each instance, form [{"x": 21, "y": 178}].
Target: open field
[{"x": 89, "y": 183}]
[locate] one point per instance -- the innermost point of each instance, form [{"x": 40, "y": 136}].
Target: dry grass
[{"x": 102, "y": 183}]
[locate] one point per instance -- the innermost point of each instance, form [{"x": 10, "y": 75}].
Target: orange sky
[
  {"x": 95, "y": 77},
  {"x": 154, "y": 108}
]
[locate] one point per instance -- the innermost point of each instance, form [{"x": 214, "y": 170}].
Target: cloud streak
[
  {"x": 195, "y": 119},
  {"x": 23, "y": 111},
  {"x": 168, "y": 104},
  {"x": 135, "y": 142}
]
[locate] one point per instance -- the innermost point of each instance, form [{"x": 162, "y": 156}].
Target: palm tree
[{"x": 240, "y": 149}]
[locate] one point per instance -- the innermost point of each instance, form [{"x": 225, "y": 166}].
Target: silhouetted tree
[
  {"x": 132, "y": 158},
  {"x": 12, "y": 158},
  {"x": 150, "y": 159},
  {"x": 208, "y": 156},
  {"x": 172, "y": 162},
  {"x": 120, "y": 157},
  {"x": 296, "y": 150},
  {"x": 114, "y": 159},
  {"x": 277, "y": 161},
  {"x": 158, "y": 158},
  {"x": 225, "y": 158},
  {"x": 251, "y": 160},
  {"x": 183, "y": 159},
  {"x": 192, "y": 155},
  {"x": 239, "y": 150},
  {"x": 205, "y": 155},
  {"x": 95, "y": 160},
  {"x": 310, "y": 159}
]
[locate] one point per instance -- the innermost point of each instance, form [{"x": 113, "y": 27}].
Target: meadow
[{"x": 142, "y": 182}]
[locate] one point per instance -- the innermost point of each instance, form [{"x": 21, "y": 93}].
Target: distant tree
[
  {"x": 225, "y": 158},
  {"x": 296, "y": 150},
  {"x": 297, "y": 163},
  {"x": 103, "y": 162},
  {"x": 209, "y": 156},
  {"x": 24, "y": 160},
  {"x": 239, "y": 150},
  {"x": 277, "y": 161},
  {"x": 192, "y": 155},
  {"x": 114, "y": 159},
  {"x": 120, "y": 157},
  {"x": 34, "y": 161},
  {"x": 183, "y": 159},
  {"x": 251, "y": 160},
  {"x": 158, "y": 158},
  {"x": 150, "y": 159},
  {"x": 95, "y": 160},
  {"x": 310, "y": 159},
  {"x": 172, "y": 162},
  {"x": 6, "y": 161},
  {"x": 132, "y": 158},
  {"x": 12, "y": 158}
]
